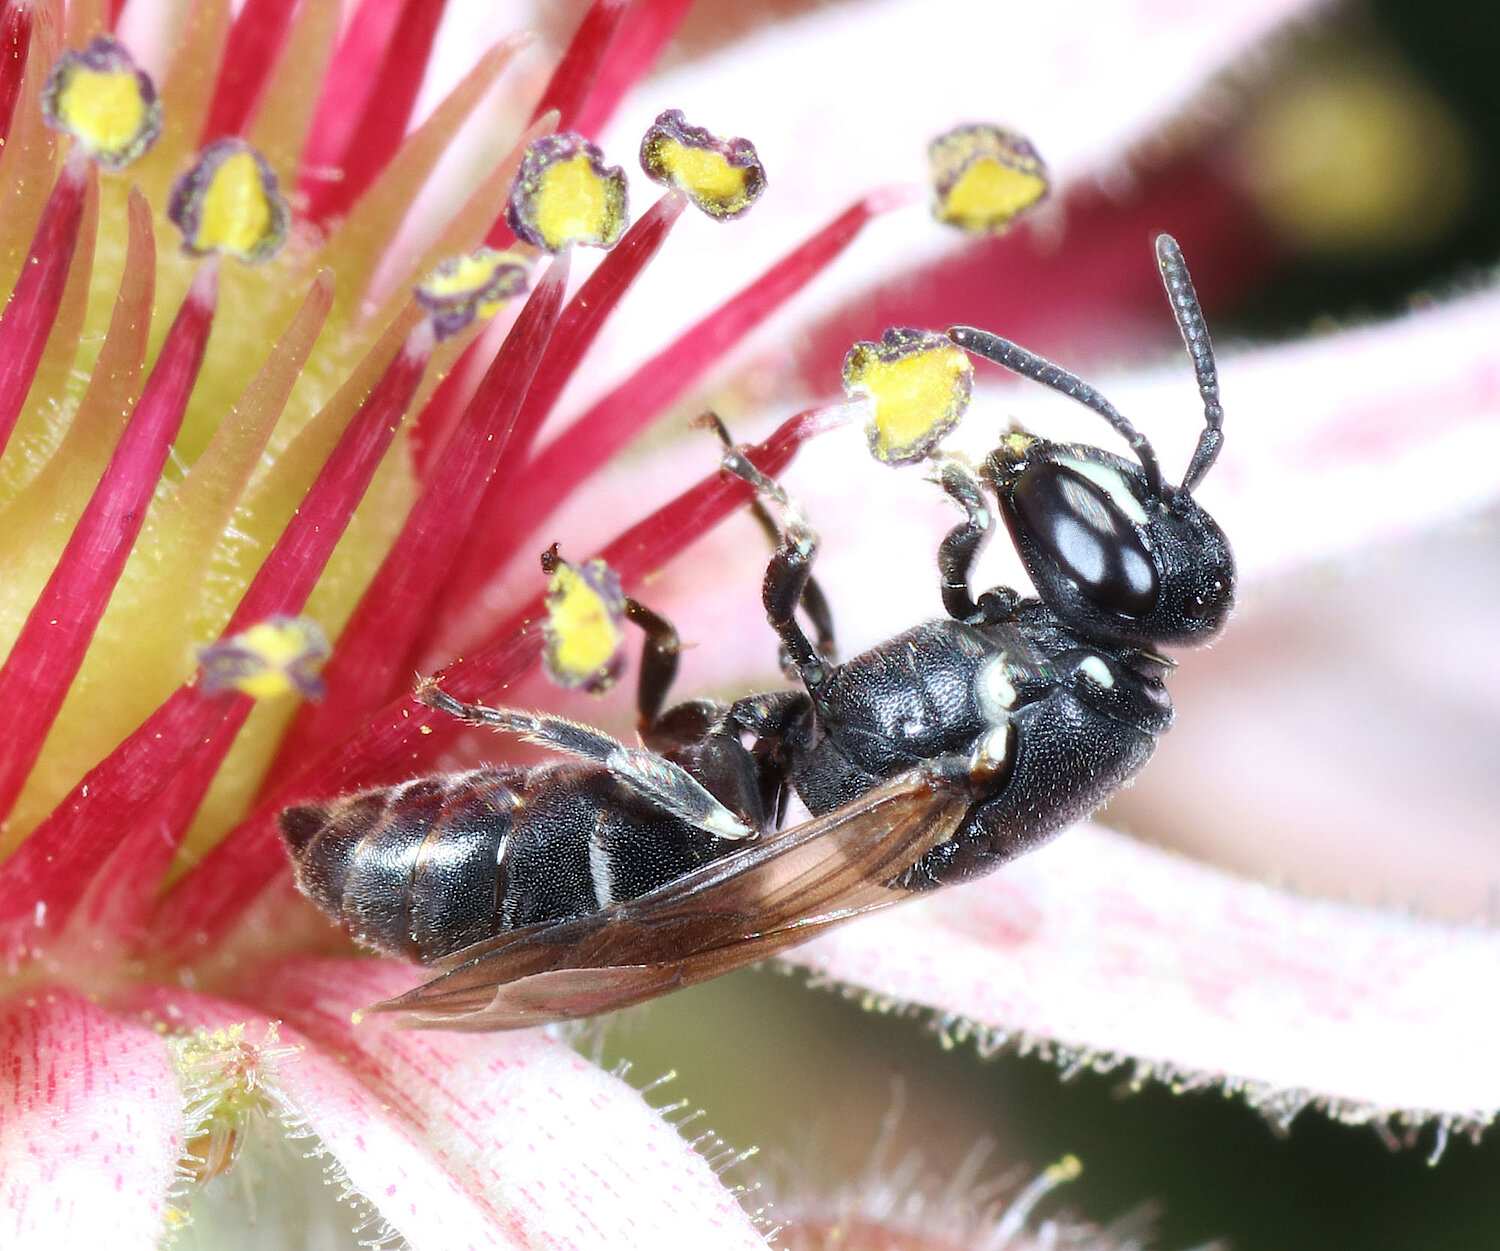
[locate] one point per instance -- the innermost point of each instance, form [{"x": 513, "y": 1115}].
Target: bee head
[
  {"x": 1113, "y": 549},
  {"x": 1109, "y": 555}
]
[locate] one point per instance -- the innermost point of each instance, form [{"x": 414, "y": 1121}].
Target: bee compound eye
[{"x": 1074, "y": 524}]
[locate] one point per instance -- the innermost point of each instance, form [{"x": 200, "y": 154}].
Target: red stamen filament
[
  {"x": 47, "y": 654},
  {"x": 28, "y": 317},
  {"x": 507, "y": 519},
  {"x": 56, "y": 863},
  {"x": 403, "y": 736},
  {"x": 381, "y": 122},
  {"x": 374, "y": 645},
  {"x": 574, "y": 77}
]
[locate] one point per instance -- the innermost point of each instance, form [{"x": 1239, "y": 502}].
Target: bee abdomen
[{"x": 409, "y": 869}]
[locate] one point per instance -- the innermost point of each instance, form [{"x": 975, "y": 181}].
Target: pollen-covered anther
[
  {"x": 983, "y": 176},
  {"x": 916, "y": 385},
  {"x": 723, "y": 177},
  {"x": 105, "y": 101},
  {"x": 585, "y": 626},
  {"x": 230, "y": 201},
  {"x": 271, "y": 658},
  {"x": 472, "y": 288},
  {"x": 564, "y": 193}
]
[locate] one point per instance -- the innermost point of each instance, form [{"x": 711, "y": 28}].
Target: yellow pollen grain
[
  {"x": 912, "y": 395},
  {"x": 989, "y": 194},
  {"x": 573, "y": 204},
  {"x": 584, "y": 636},
  {"x": 704, "y": 174},
  {"x": 104, "y": 109},
  {"x": 236, "y": 215}
]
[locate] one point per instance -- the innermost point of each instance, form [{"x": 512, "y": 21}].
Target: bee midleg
[
  {"x": 658, "y": 667},
  {"x": 653, "y": 777},
  {"x": 814, "y": 601},
  {"x": 962, "y": 545},
  {"x": 787, "y": 575}
]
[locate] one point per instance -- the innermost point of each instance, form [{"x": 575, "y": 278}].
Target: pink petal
[
  {"x": 91, "y": 1125},
  {"x": 376, "y": 1151},
  {"x": 1107, "y": 953},
  {"x": 1370, "y": 692},
  {"x": 1085, "y": 82},
  {"x": 463, "y": 1140},
  {"x": 1330, "y": 448}
]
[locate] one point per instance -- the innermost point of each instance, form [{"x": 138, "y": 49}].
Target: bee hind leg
[{"x": 653, "y": 777}]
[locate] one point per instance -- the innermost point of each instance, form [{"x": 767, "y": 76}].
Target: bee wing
[{"x": 744, "y": 907}]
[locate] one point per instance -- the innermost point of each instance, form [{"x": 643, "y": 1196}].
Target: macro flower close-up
[{"x": 368, "y": 361}]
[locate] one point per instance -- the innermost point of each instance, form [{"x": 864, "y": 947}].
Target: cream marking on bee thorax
[
  {"x": 1094, "y": 668},
  {"x": 990, "y": 753},
  {"x": 995, "y": 691}
]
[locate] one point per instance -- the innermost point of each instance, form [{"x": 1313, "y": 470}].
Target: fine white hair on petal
[
  {"x": 1112, "y": 952},
  {"x": 554, "y": 1151}
]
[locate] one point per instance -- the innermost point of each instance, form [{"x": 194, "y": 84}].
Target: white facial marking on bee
[
  {"x": 1097, "y": 672},
  {"x": 1111, "y": 483},
  {"x": 996, "y": 692}
]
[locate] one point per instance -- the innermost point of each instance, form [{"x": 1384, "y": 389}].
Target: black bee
[{"x": 935, "y": 757}]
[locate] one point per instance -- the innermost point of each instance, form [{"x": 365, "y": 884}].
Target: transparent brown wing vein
[{"x": 734, "y": 911}]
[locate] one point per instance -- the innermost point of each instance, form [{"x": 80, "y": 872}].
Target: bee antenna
[
  {"x": 1029, "y": 365},
  {"x": 1185, "y": 307}
]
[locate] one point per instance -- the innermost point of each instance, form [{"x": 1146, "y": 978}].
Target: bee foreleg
[
  {"x": 962, "y": 545},
  {"x": 653, "y": 777}
]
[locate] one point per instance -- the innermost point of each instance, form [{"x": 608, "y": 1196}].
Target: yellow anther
[
  {"x": 917, "y": 384},
  {"x": 476, "y": 286},
  {"x": 585, "y": 626},
  {"x": 229, "y": 201},
  {"x": 723, "y": 177},
  {"x": 564, "y": 193},
  {"x": 983, "y": 176},
  {"x": 271, "y": 658},
  {"x": 101, "y": 98}
]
